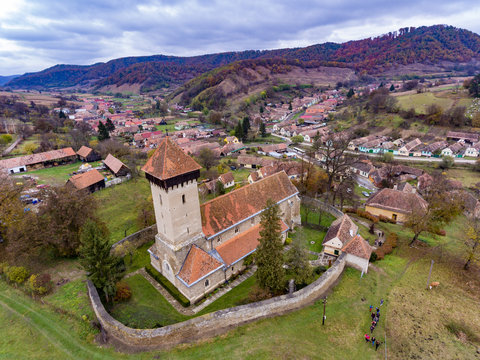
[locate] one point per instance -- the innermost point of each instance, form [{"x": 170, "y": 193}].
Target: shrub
[
  {"x": 17, "y": 274},
  {"x": 3, "y": 268},
  {"x": 167, "y": 285},
  {"x": 288, "y": 241},
  {"x": 385, "y": 219},
  {"x": 40, "y": 284},
  {"x": 258, "y": 294},
  {"x": 388, "y": 246},
  {"x": 392, "y": 239},
  {"x": 441, "y": 232},
  {"x": 123, "y": 292},
  {"x": 319, "y": 270},
  {"x": 373, "y": 256},
  {"x": 248, "y": 260},
  {"x": 366, "y": 215}
]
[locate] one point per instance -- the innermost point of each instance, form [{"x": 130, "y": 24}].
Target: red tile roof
[
  {"x": 229, "y": 209},
  {"x": 113, "y": 163},
  {"x": 84, "y": 180},
  {"x": 226, "y": 178},
  {"x": 343, "y": 228},
  {"x": 169, "y": 161},
  {"x": 358, "y": 246},
  {"x": 395, "y": 200},
  {"x": 84, "y": 151},
  {"x": 241, "y": 245},
  {"x": 37, "y": 158},
  {"x": 197, "y": 264}
]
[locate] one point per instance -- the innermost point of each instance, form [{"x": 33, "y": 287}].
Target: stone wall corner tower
[{"x": 173, "y": 180}]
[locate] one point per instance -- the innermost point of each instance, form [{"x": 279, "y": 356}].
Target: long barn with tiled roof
[{"x": 199, "y": 247}]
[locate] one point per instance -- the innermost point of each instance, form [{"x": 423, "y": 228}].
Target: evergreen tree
[
  {"x": 220, "y": 188},
  {"x": 392, "y": 88},
  {"x": 102, "y": 132},
  {"x": 297, "y": 261},
  {"x": 263, "y": 130},
  {"x": 269, "y": 257},
  {"x": 474, "y": 88},
  {"x": 261, "y": 109},
  {"x": 290, "y": 106},
  {"x": 239, "y": 130},
  {"x": 102, "y": 268},
  {"x": 109, "y": 125},
  {"x": 62, "y": 115},
  {"x": 350, "y": 93},
  {"x": 245, "y": 127}
]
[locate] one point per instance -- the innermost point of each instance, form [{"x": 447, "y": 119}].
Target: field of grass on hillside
[
  {"x": 440, "y": 323},
  {"x": 117, "y": 207}
]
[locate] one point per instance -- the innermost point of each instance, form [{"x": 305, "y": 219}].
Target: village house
[
  {"x": 362, "y": 168},
  {"x": 470, "y": 138},
  {"x": 406, "y": 150},
  {"x": 253, "y": 162},
  {"x": 91, "y": 180},
  {"x": 394, "y": 204},
  {"x": 473, "y": 150},
  {"x": 115, "y": 166},
  {"x": 199, "y": 247},
  {"x": 456, "y": 149},
  {"x": 38, "y": 161},
  {"x": 87, "y": 154},
  {"x": 231, "y": 140},
  {"x": 342, "y": 237},
  {"x": 293, "y": 169},
  {"x": 227, "y": 180}
]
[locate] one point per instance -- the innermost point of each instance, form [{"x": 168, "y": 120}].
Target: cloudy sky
[{"x": 35, "y": 34}]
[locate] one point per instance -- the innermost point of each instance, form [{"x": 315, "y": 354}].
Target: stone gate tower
[{"x": 173, "y": 180}]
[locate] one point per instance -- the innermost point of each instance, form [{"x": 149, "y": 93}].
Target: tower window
[
  {"x": 207, "y": 282},
  {"x": 188, "y": 230},
  {"x": 183, "y": 198},
  {"x": 236, "y": 230},
  {"x": 160, "y": 197}
]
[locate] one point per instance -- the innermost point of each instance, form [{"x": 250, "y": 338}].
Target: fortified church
[{"x": 199, "y": 247}]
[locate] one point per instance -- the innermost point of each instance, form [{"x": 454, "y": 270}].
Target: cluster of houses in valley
[
  {"x": 455, "y": 144},
  {"x": 316, "y": 106}
]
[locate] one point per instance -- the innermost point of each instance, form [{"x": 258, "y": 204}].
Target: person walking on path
[
  {"x": 372, "y": 328},
  {"x": 367, "y": 338},
  {"x": 373, "y": 341},
  {"x": 371, "y": 308},
  {"x": 377, "y": 345},
  {"x": 381, "y": 302},
  {"x": 373, "y": 316}
]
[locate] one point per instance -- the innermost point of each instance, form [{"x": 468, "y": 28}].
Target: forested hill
[{"x": 426, "y": 45}]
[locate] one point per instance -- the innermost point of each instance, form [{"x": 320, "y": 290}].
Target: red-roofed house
[{"x": 198, "y": 247}]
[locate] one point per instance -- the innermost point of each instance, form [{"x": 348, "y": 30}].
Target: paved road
[{"x": 396, "y": 157}]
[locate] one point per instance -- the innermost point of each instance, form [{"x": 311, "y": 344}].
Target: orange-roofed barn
[
  {"x": 199, "y": 247},
  {"x": 91, "y": 180}
]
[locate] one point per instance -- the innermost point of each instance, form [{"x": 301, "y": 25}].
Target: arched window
[
  {"x": 183, "y": 198},
  {"x": 207, "y": 282}
]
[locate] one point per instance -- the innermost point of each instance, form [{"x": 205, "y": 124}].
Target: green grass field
[
  {"x": 117, "y": 207},
  {"x": 445, "y": 99},
  {"x": 58, "y": 175},
  {"x": 147, "y": 308},
  {"x": 417, "y": 323}
]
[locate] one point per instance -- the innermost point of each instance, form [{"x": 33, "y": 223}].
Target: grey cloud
[{"x": 83, "y": 32}]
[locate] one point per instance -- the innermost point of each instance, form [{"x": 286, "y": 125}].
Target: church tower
[{"x": 173, "y": 180}]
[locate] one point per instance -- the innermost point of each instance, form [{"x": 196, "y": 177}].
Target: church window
[
  {"x": 188, "y": 230},
  {"x": 207, "y": 282},
  {"x": 160, "y": 197},
  {"x": 236, "y": 230},
  {"x": 183, "y": 198}
]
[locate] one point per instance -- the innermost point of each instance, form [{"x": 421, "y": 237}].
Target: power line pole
[
  {"x": 324, "y": 304},
  {"x": 429, "y": 274}
]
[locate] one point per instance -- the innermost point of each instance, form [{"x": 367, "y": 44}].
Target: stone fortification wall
[
  {"x": 215, "y": 323},
  {"x": 139, "y": 238}
]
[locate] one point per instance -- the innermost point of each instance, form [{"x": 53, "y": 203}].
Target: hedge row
[
  {"x": 167, "y": 285},
  {"x": 387, "y": 247}
]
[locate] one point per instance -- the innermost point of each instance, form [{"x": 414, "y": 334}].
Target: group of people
[{"x": 375, "y": 315}]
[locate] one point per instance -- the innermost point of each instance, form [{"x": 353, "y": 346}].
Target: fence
[
  {"x": 322, "y": 206},
  {"x": 215, "y": 323}
]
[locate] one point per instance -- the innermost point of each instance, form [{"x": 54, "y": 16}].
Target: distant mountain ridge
[
  {"x": 6, "y": 79},
  {"x": 425, "y": 45}
]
